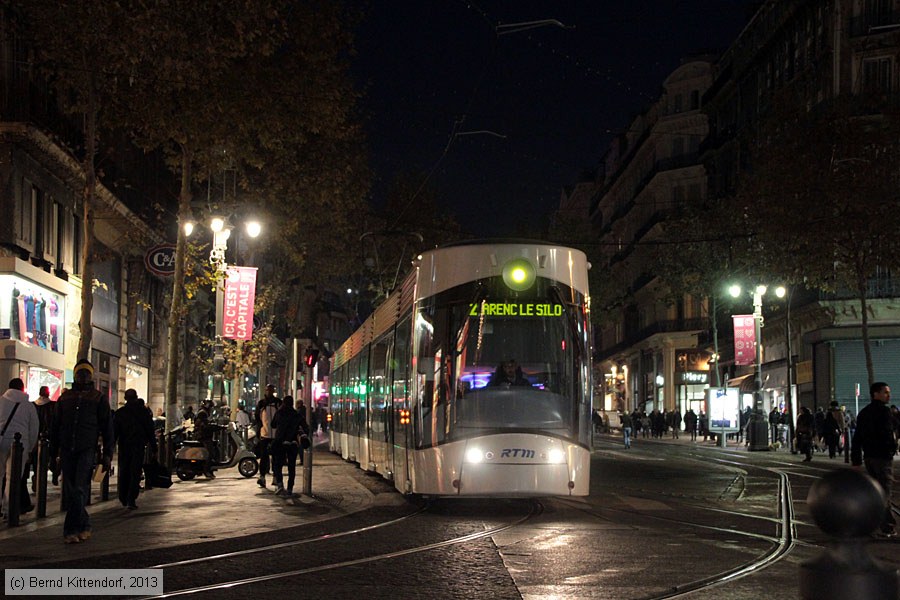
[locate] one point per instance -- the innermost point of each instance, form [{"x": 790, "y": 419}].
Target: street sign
[{"x": 160, "y": 260}]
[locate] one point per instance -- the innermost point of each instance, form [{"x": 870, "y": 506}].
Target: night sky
[{"x": 558, "y": 95}]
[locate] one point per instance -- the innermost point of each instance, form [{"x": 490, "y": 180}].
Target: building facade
[
  {"x": 650, "y": 350},
  {"x": 655, "y": 351}
]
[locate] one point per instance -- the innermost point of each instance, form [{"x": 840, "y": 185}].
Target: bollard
[
  {"x": 848, "y": 506},
  {"x": 14, "y": 481},
  {"x": 41, "y": 475}
]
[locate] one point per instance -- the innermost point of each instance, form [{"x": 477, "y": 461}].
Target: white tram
[{"x": 473, "y": 378}]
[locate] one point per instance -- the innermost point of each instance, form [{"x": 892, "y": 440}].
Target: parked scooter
[{"x": 192, "y": 458}]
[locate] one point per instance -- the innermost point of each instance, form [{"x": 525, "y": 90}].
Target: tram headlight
[
  {"x": 556, "y": 456},
  {"x": 518, "y": 274},
  {"x": 474, "y": 455}
]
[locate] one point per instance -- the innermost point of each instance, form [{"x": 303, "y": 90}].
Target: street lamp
[
  {"x": 757, "y": 428},
  {"x": 221, "y": 228}
]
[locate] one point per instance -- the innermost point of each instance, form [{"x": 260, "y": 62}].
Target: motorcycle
[{"x": 192, "y": 458}]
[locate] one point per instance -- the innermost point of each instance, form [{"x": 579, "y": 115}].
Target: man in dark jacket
[
  {"x": 289, "y": 425},
  {"x": 82, "y": 415},
  {"x": 134, "y": 431},
  {"x": 874, "y": 439}
]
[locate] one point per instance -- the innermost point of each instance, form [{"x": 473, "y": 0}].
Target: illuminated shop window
[{"x": 31, "y": 313}]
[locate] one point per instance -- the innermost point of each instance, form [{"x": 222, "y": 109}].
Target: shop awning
[{"x": 746, "y": 383}]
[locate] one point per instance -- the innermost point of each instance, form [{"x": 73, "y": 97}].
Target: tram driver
[{"x": 509, "y": 373}]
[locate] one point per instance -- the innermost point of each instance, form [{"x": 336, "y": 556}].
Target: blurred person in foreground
[{"x": 874, "y": 444}]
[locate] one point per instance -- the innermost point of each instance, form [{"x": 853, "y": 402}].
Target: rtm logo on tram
[
  {"x": 515, "y": 309},
  {"x": 516, "y": 453}
]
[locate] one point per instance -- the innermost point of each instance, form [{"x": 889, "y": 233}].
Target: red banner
[
  {"x": 240, "y": 293},
  {"x": 744, "y": 339}
]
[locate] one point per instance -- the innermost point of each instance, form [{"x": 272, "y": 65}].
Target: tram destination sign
[{"x": 515, "y": 309}]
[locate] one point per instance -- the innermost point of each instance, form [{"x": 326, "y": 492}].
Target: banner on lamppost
[
  {"x": 240, "y": 293},
  {"x": 744, "y": 339}
]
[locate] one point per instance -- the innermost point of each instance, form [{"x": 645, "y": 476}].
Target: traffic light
[{"x": 311, "y": 357}]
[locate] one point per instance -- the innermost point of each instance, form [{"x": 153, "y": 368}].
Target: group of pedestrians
[
  {"x": 81, "y": 432},
  {"x": 873, "y": 437},
  {"x": 658, "y": 423},
  {"x": 282, "y": 432}
]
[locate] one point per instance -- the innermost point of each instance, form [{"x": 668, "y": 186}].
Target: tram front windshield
[{"x": 491, "y": 360}]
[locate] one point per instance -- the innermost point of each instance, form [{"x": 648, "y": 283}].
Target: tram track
[
  {"x": 535, "y": 508},
  {"x": 283, "y": 545},
  {"x": 779, "y": 545}
]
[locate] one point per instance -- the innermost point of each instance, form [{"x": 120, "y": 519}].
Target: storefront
[
  {"x": 691, "y": 379},
  {"x": 32, "y": 326},
  {"x": 137, "y": 369},
  {"x": 614, "y": 390}
]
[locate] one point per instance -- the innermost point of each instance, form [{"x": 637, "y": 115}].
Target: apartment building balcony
[
  {"x": 699, "y": 324},
  {"x": 878, "y": 288},
  {"x": 874, "y": 23}
]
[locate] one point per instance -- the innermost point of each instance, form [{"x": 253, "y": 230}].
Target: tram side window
[
  {"x": 400, "y": 371},
  {"x": 424, "y": 377},
  {"x": 352, "y": 398},
  {"x": 335, "y": 398},
  {"x": 434, "y": 377},
  {"x": 363, "y": 394},
  {"x": 378, "y": 390}
]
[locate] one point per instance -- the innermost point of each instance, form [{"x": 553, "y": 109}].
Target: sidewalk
[
  {"x": 228, "y": 506},
  {"x": 684, "y": 438}
]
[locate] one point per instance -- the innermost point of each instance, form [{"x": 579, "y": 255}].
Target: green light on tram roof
[{"x": 518, "y": 274}]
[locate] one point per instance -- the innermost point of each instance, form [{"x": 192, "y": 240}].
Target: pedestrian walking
[
  {"x": 265, "y": 410},
  {"x": 83, "y": 416},
  {"x": 134, "y": 432},
  {"x": 205, "y": 431},
  {"x": 774, "y": 420},
  {"x": 289, "y": 426},
  {"x": 676, "y": 423},
  {"x": 690, "y": 423},
  {"x": 806, "y": 428},
  {"x": 837, "y": 413},
  {"x": 627, "y": 427},
  {"x": 875, "y": 445},
  {"x": 242, "y": 418},
  {"x": 743, "y": 422},
  {"x": 17, "y": 415},
  {"x": 46, "y": 411},
  {"x": 703, "y": 422},
  {"x": 819, "y": 419},
  {"x": 832, "y": 431}
]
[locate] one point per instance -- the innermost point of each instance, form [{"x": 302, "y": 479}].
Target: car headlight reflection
[
  {"x": 474, "y": 455},
  {"x": 556, "y": 456}
]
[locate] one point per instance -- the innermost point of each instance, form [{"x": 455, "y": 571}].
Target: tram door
[{"x": 400, "y": 435}]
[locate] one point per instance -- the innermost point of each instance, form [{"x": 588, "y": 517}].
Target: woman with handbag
[{"x": 290, "y": 426}]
